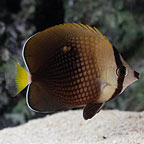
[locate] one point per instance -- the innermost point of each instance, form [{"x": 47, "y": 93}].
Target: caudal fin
[
  {"x": 17, "y": 78},
  {"x": 22, "y": 78}
]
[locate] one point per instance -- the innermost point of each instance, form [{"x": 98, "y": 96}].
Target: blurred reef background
[{"x": 122, "y": 21}]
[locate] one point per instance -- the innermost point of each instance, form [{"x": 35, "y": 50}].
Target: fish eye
[{"x": 121, "y": 71}]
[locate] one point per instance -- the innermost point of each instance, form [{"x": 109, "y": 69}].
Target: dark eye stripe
[
  {"x": 120, "y": 78},
  {"x": 117, "y": 57},
  {"x": 121, "y": 71}
]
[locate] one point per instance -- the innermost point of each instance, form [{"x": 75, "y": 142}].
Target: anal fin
[
  {"x": 91, "y": 109},
  {"x": 42, "y": 98}
]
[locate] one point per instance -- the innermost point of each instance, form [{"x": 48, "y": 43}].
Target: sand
[{"x": 107, "y": 127}]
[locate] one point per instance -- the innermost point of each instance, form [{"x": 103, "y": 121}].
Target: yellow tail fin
[{"x": 22, "y": 78}]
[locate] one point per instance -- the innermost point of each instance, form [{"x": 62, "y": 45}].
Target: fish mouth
[{"x": 136, "y": 75}]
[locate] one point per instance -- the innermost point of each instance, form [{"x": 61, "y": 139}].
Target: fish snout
[{"x": 136, "y": 75}]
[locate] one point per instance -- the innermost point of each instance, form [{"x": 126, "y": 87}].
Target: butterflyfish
[{"x": 72, "y": 65}]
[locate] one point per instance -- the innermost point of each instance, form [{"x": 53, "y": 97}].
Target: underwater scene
[{"x": 71, "y": 71}]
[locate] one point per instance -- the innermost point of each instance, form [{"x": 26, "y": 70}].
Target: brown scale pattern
[{"x": 74, "y": 72}]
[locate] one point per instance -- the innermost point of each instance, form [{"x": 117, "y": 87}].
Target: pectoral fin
[{"x": 91, "y": 109}]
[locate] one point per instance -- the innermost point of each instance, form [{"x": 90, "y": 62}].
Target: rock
[
  {"x": 107, "y": 127},
  {"x": 5, "y": 55},
  {"x": 2, "y": 28}
]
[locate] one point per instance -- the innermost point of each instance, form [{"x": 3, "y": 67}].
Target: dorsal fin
[
  {"x": 86, "y": 27},
  {"x": 89, "y": 28}
]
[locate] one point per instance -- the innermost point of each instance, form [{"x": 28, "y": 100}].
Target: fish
[{"x": 72, "y": 65}]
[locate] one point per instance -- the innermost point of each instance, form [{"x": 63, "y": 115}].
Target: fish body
[{"x": 73, "y": 65}]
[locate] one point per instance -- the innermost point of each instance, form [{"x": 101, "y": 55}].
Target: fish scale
[{"x": 68, "y": 58}]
